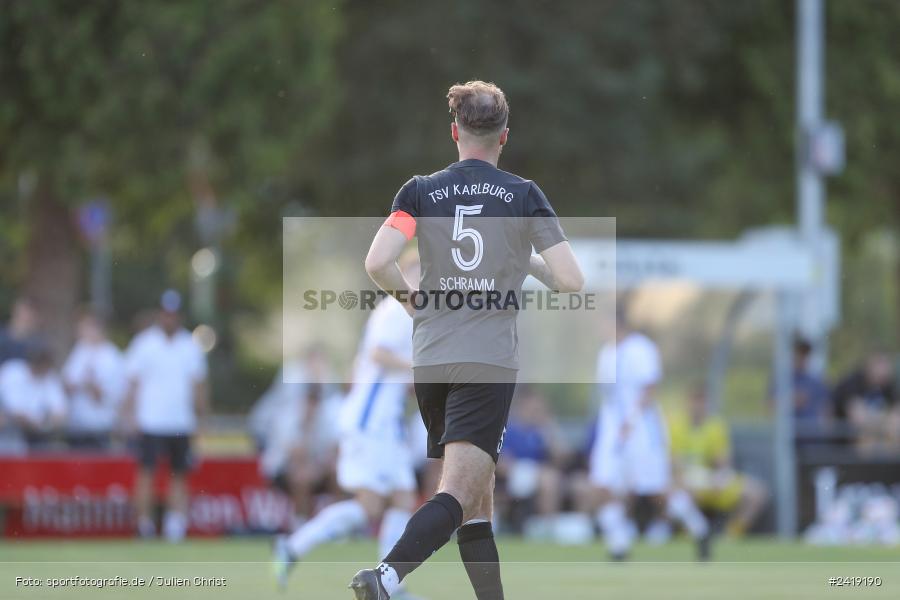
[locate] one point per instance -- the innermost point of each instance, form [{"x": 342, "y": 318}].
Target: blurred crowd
[
  {"x": 150, "y": 396},
  {"x": 99, "y": 394},
  {"x": 544, "y": 488},
  {"x": 544, "y": 484},
  {"x": 861, "y": 408}
]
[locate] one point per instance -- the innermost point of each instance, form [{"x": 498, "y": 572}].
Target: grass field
[{"x": 748, "y": 569}]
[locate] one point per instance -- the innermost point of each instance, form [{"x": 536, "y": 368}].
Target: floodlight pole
[
  {"x": 783, "y": 435},
  {"x": 810, "y": 180},
  {"x": 810, "y": 223}
]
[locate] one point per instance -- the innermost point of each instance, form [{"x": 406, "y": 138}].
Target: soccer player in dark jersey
[{"x": 476, "y": 226}]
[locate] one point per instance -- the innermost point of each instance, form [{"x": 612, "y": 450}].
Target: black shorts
[
  {"x": 175, "y": 448},
  {"x": 89, "y": 442},
  {"x": 464, "y": 402}
]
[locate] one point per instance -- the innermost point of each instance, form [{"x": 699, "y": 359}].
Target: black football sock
[
  {"x": 427, "y": 531},
  {"x": 479, "y": 553}
]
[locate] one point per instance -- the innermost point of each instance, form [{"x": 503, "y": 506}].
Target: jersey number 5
[{"x": 461, "y": 233}]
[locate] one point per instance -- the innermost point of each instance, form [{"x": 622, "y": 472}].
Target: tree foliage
[
  {"x": 675, "y": 117},
  {"x": 161, "y": 106}
]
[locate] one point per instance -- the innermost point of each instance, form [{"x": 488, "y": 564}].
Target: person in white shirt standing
[
  {"x": 631, "y": 454},
  {"x": 94, "y": 377},
  {"x": 32, "y": 399},
  {"x": 166, "y": 372},
  {"x": 374, "y": 462}
]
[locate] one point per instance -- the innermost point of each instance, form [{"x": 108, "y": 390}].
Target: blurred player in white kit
[
  {"x": 631, "y": 455},
  {"x": 375, "y": 462}
]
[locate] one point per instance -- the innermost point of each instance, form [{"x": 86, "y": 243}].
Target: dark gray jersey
[{"x": 476, "y": 226}]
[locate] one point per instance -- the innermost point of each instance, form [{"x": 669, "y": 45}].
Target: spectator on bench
[
  {"x": 702, "y": 465},
  {"x": 866, "y": 400},
  {"x": 810, "y": 390},
  {"x": 32, "y": 397},
  {"x": 295, "y": 426},
  {"x": 531, "y": 455}
]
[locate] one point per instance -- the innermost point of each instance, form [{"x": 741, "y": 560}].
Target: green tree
[{"x": 167, "y": 109}]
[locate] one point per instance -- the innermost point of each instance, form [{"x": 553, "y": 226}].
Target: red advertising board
[{"x": 85, "y": 495}]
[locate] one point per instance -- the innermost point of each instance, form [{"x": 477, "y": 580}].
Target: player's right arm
[
  {"x": 382, "y": 267},
  {"x": 398, "y": 229}
]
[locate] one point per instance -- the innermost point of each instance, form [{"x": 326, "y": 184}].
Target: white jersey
[
  {"x": 627, "y": 368},
  {"x": 165, "y": 369},
  {"x": 639, "y": 462},
  {"x": 375, "y": 404}
]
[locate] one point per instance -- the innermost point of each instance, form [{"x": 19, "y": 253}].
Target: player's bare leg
[
  {"x": 468, "y": 474},
  {"x": 143, "y": 501}
]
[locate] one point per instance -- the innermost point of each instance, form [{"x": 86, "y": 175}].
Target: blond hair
[{"x": 479, "y": 108}]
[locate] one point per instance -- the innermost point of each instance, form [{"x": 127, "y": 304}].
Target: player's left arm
[
  {"x": 201, "y": 397},
  {"x": 200, "y": 387},
  {"x": 382, "y": 267},
  {"x": 557, "y": 268},
  {"x": 555, "y": 265}
]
